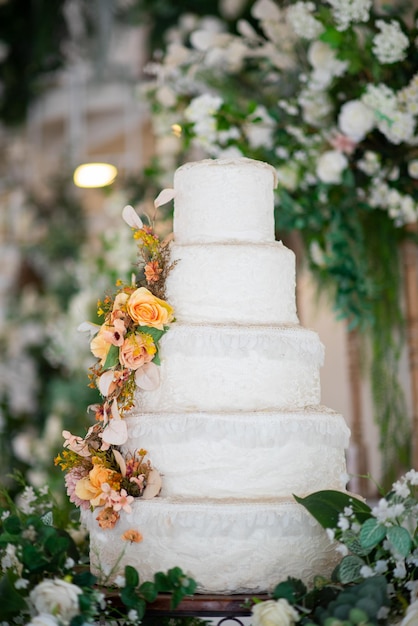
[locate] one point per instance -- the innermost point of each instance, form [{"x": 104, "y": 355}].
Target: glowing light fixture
[{"x": 90, "y": 175}]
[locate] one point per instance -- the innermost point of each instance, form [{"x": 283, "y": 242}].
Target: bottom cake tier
[{"x": 227, "y": 547}]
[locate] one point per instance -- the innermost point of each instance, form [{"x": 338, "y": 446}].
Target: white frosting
[
  {"x": 239, "y": 283},
  {"x": 243, "y": 455},
  {"x": 219, "y": 368},
  {"x": 224, "y": 200},
  {"x": 227, "y": 547}
]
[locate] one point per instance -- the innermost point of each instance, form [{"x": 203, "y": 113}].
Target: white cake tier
[
  {"x": 227, "y": 547},
  {"x": 244, "y": 455},
  {"x": 220, "y": 368},
  {"x": 239, "y": 283},
  {"x": 224, "y": 200}
]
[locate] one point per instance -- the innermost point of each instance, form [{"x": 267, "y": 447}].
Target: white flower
[
  {"x": 300, "y": 18},
  {"x": 399, "y": 571},
  {"x": 259, "y": 130},
  {"x": 315, "y": 105},
  {"x": 203, "y": 106},
  {"x": 412, "y": 477},
  {"x": 366, "y": 571},
  {"x": 266, "y": 10},
  {"x": 411, "y": 615},
  {"x": 370, "y": 163},
  {"x": 390, "y": 45},
  {"x": 325, "y": 65},
  {"x": 288, "y": 176},
  {"x": 330, "y": 166},
  {"x": 356, "y": 120},
  {"x": 347, "y": 11},
  {"x": 413, "y": 168},
  {"x": 381, "y": 567},
  {"x": 57, "y": 597},
  {"x": 43, "y": 619},
  {"x": 274, "y": 613}
]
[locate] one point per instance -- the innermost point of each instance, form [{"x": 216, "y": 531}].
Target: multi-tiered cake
[{"x": 235, "y": 426}]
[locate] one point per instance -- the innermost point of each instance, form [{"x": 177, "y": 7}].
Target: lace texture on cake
[
  {"x": 227, "y": 548},
  {"x": 239, "y": 283}
]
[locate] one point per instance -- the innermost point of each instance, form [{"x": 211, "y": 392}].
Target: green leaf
[
  {"x": 291, "y": 590},
  {"x": 352, "y": 541},
  {"x": 332, "y": 37},
  {"x": 400, "y": 539},
  {"x": 326, "y": 506},
  {"x": 148, "y": 591},
  {"x": 56, "y": 545},
  {"x": 348, "y": 571},
  {"x": 112, "y": 357},
  {"x": 11, "y": 602},
  {"x": 372, "y": 533},
  {"x": 12, "y": 525},
  {"x": 131, "y": 576},
  {"x": 155, "y": 333}
]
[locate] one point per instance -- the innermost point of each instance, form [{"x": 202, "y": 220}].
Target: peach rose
[
  {"x": 90, "y": 487},
  {"x": 136, "y": 350},
  {"x": 148, "y": 310},
  {"x": 100, "y": 344}
]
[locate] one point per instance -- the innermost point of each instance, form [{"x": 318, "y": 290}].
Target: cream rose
[
  {"x": 274, "y": 613},
  {"x": 148, "y": 310},
  {"x": 356, "y": 120},
  {"x": 56, "y": 597},
  {"x": 330, "y": 166},
  {"x": 137, "y": 350}
]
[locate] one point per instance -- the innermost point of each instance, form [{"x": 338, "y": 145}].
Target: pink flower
[
  {"x": 138, "y": 480},
  {"x": 136, "y": 350},
  {"x": 124, "y": 501},
  {"x": 115, "y": 334},
  {"x": 71, "y": 479},
  {"x": 342, "y": 143},
  {"x": 75, "y": 444}
]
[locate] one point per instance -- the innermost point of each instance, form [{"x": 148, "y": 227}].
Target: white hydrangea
[
  {"x": 203, "y": 106},
  {"x": 260, "y": 128},
  {"x": 301, "y": 19},
  {"x": 347, "y": 11},
  {"x": 390, "y": 45}
]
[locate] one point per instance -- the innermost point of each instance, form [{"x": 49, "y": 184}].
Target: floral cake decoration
[{"x": 126, "y": 345}]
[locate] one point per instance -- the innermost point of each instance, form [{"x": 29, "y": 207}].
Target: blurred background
[{"x": 114, "y": 81}]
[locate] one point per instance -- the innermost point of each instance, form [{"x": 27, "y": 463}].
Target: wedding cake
[{"x": 235, "y": 426}]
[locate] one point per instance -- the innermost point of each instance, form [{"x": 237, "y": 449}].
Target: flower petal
[
  {"x": 104, "y": 382},
  {"x": 154, "y": 484},
  {"x": 120, "y": 461},
  {"x": 115, "y": 433},
  {"x": 89, "y": 327},
  {"x": 147, "y": 377},
  {"x": 131, "y": 217},
  {"x": 164, "y": 196}
]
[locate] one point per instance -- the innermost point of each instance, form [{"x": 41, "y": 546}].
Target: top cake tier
[{"x": 224, "y": 200}]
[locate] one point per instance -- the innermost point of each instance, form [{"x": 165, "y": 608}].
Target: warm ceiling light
[{"x": 94, "y": 175}]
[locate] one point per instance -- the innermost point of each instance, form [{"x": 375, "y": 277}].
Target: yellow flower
[
  {"x": 90, "y": 487},
  {"x": 148, "y": 310},
  {"x": 100, "y": 344}
]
